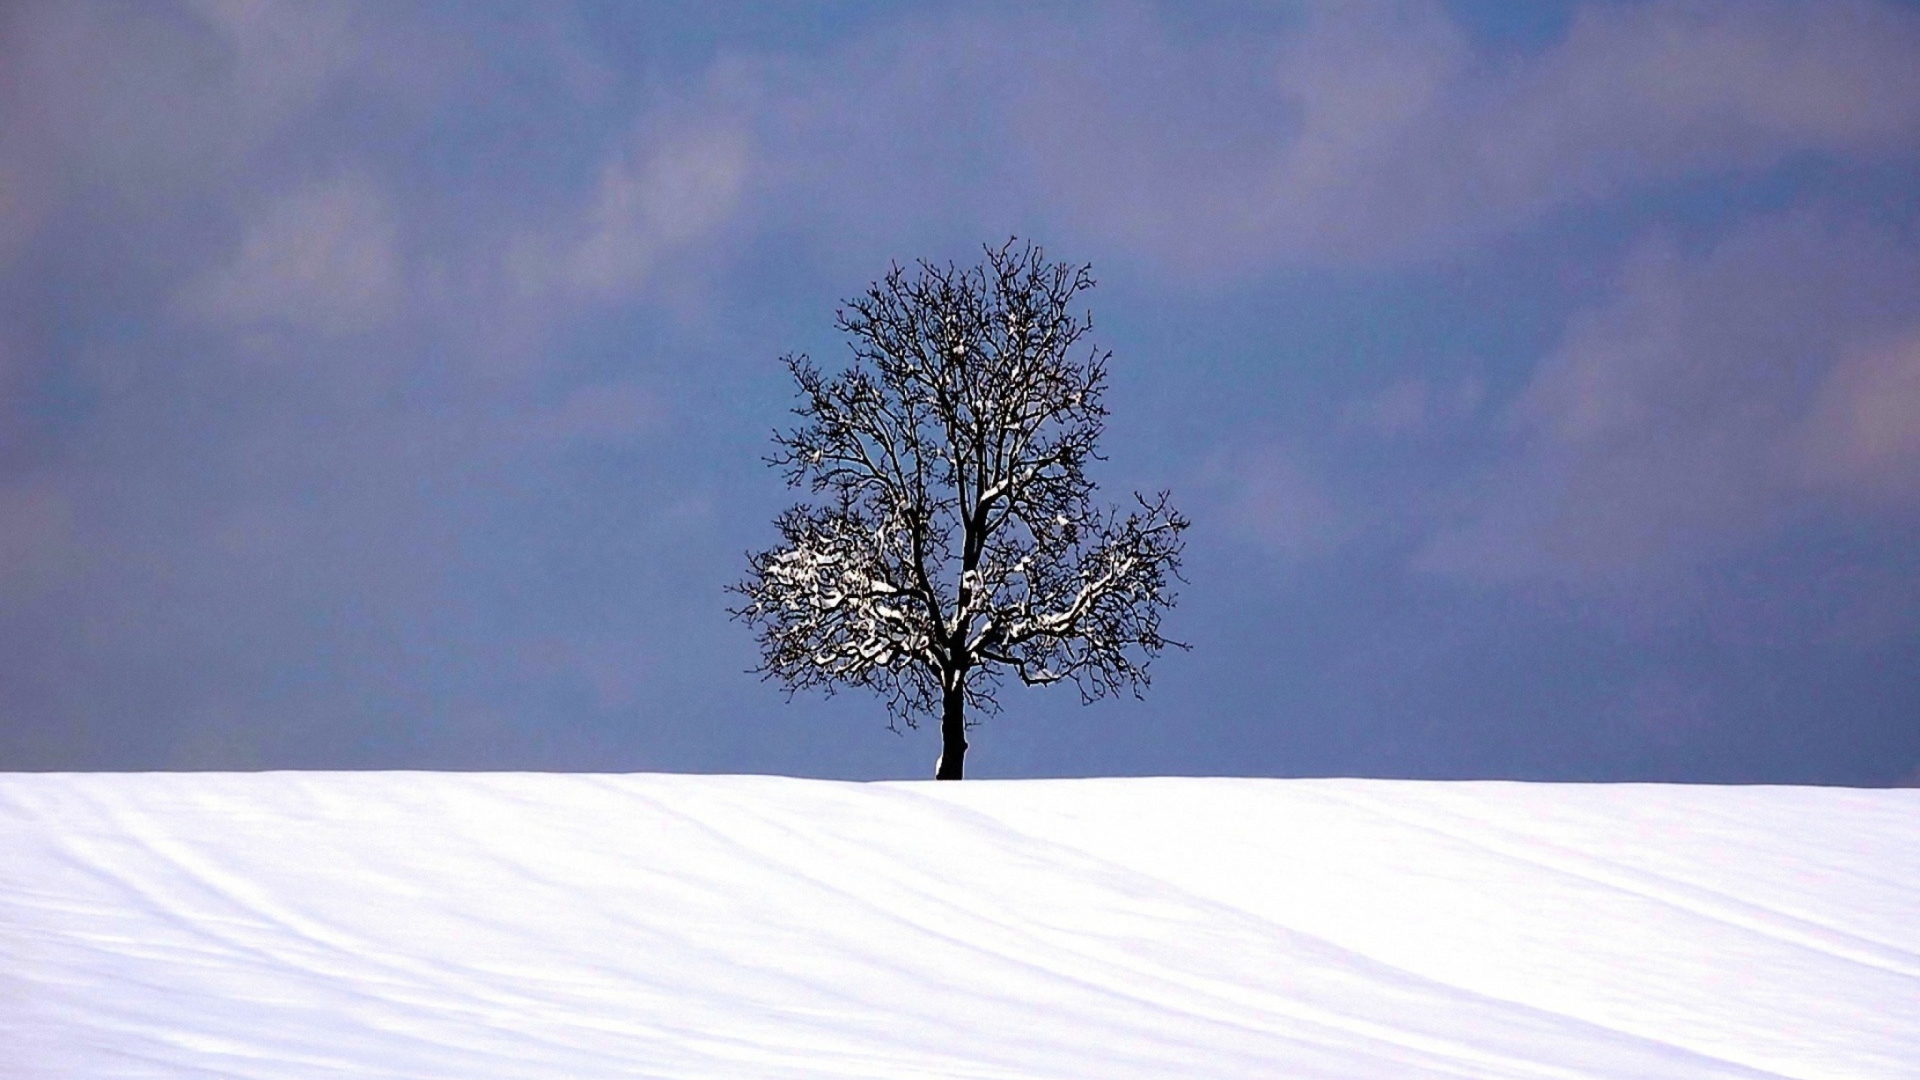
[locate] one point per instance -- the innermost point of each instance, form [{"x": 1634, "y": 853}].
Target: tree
[{"x": 955, "y": 539}]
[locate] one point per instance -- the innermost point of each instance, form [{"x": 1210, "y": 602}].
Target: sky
[{"x": 387, "y": 385}]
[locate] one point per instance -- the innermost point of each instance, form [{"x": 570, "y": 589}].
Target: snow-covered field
[{"x": 516, "y": 925}]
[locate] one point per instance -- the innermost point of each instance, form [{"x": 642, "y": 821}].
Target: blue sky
[{"x": 386, "y": 385}]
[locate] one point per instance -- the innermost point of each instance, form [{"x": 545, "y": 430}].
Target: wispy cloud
[
  {"x": 324, "y": 258},
  {"x": 1267, "y": 496},
  {"x": 1863, "y": 436},
  {"x": 1355, "y": 135},
  {"x": 669, "y": 185},
  {"x": 1709, "y": 401},
  {"x": 152, "y": 104},
  {"x": 1412, "y": 406},
  {"x": 1380, "y": 132}
]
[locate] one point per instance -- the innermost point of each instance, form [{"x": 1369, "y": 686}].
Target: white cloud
[
  {"x": 1863, "y": 437},
  {"x": 1709, "y": 400},
  {"x": 1412, "y": 406},
  {"x": 604, "y": 413},
  {"x": 324, "y": 257},
  {"x": 282, "y": 53},
  {"x": 654, "y": 198},
  {"x": 1269, "y": 497},
  {"x": 1377, "y": 132},
  {"x": 157, "y": 102}
]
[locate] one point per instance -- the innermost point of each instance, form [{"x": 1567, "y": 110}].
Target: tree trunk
[{"x": 953, "y": 733}]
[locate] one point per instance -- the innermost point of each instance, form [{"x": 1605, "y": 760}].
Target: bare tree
[{"x": 956, "y": 539}]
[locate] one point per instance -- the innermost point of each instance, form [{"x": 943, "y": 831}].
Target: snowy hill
[{"x": 473, "y": 926}]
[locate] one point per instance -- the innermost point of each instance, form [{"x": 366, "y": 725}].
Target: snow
[{"x": 527, "y": 925}]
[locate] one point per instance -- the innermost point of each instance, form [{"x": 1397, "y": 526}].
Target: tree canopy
[{"x": 954, "y": 538}]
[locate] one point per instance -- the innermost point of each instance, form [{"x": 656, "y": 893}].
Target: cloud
[
  {"x": 149, "y": 104},
  {"x": 37, "y": 542},
  {"x": 295, "y": 555},
  {"x": 1710, "y": 400},
  {"x": 323, "y": 258},
  {"x": 281, "y": 53},
  {"x": 653, "y": 202},
  {"x": 1270, "y": 498},
  {"x": 1863, "y": 437},
  {"x": 601, "y": 413},
  {"x": 23, "y": 205},
  {"x": 661, "y": 192},
  {"x": 1379, "y": 132},
  {"x": 1354, "y": 135},
  {"x": 1412, "y": 406}
]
